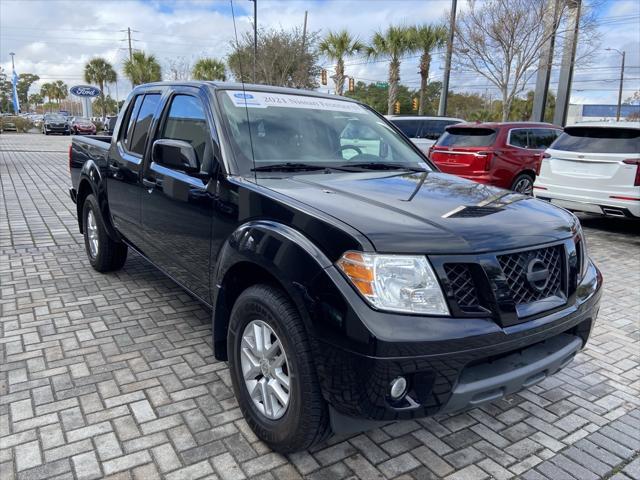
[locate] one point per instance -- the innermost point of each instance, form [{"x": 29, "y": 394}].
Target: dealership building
[{"x": 601, "y": 113}]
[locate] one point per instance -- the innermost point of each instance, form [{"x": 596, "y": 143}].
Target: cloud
[{"x": 54, "y": 39}]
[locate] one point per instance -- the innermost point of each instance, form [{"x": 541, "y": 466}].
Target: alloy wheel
[
  {"x": 265, "y": 369},
  {"x": 524, "y": 186},
  {"x": 92, "y": 234}
]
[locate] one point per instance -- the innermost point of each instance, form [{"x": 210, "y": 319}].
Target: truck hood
[{"x": 428, "y": 212}]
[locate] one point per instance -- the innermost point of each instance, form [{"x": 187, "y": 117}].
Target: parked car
[
  {"x": 110, "y": 125},
  {"x": 82, "y": 126},
  {"x": 347, "y": 290},
  {"x": 423, "y": 131},
  {"x": 55, "y": 123},
  {"x": 505, "y": 155},
  {"x": 8, "y": 123},
  {"x": 594, "y": 167}
]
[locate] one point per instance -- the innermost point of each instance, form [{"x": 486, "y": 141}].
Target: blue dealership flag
[{"x": 14, "y": 83}]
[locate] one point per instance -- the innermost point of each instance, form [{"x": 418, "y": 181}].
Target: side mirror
[{"x": 176, "y": 154}]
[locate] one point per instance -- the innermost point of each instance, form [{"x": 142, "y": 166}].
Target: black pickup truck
[{"x": 350, "y": 282}]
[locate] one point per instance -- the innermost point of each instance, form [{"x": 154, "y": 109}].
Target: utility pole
[
  {"x": 442, "y": 107},
  {"x": 129, "y": 38},
  {"x": 623, "y": 53},
  {"x": 255, "y": 37},
  {"x": 546, "y": 60},
  {"x": 568, "y": 60},
  {"x": 304, "y": 30}
]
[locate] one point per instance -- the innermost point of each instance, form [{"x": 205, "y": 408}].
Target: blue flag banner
[{"x": 16, "y": 101}]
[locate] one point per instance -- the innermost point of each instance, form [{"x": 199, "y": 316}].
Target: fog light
[{"x": 398, "y": 388}]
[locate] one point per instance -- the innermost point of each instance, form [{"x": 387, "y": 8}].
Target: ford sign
[{"x": 84, "y": 91}]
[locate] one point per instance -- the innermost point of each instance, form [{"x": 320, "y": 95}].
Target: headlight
[{"x": 402, "y": 283}]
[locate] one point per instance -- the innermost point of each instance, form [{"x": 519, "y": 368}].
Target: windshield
[
  {"x": 467, "y": 137},
  {"x": 598, "y": 140},
  {"x": 56, "y": 118},
  {"x": 309, "y": 130},
  {"x": 81, "y": 120}
]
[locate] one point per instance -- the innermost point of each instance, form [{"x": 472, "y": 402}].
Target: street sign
[
  {"x": 382, "y": 84},
  {"x": 84, "y": 91}
]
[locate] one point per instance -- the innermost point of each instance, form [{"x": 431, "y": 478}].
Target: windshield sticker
[{"x": 267, "y": 99}]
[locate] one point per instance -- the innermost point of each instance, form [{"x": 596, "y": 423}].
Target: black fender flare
[
  {"x": 91, "y": 174},
  {"x": 281, "y": 251}
]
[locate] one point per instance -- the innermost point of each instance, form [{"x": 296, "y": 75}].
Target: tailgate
[
  {"x": 589, "y": 171},
  {"x": 459, "y": 160}
]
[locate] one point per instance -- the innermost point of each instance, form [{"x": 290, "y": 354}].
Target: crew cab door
[
  {"x": 177, "y": 206},
  {"x": 124, "y": 165}
]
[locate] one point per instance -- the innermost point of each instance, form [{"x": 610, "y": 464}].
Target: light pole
[
  {"x": 623, "y": 53},
  {"x": 255, "y": 36},
  {"x": 442, "y": 107}
]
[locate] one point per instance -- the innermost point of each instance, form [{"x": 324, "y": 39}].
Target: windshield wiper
[
  {"x": 287, "y": 167},
  {"x": 384, "y": 166}
]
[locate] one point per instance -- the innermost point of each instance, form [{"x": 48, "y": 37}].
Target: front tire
[
  {"x": 272, "y": 370},
  {"x": 523, "y": 184},
  {"x": 104, "y": 253}
]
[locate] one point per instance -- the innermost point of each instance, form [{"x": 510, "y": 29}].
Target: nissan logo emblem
[{"x": 537, "y": 274}]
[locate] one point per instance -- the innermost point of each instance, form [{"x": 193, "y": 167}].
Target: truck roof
[{"x": 246, "y": 86}]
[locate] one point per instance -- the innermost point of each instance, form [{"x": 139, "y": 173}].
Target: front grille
[
  {"x": 515, "y": 265},
  {"x": 462, "y": 286}
]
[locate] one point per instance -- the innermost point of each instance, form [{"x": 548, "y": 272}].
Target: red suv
[{"x": 506, "y": 155}]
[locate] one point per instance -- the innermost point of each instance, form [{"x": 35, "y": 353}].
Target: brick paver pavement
[{"x": 113, "y": 375}]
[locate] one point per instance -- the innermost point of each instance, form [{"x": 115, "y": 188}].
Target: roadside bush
[
  {"x": 23, "y": 125},
  {"x": 99, "y": 126}
]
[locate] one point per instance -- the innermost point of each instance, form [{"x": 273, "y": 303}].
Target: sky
[{"x": 55, "y": 38}]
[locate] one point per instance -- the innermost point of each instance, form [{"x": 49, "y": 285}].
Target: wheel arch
[{"x": 263, "y": 252}]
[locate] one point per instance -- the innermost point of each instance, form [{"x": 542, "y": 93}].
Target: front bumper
[{"x": 467, "y": 364}]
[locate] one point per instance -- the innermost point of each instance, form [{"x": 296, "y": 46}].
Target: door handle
[{"x": 150, "y": 184}]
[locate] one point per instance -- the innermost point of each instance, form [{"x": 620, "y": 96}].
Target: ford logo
[
  {"x": 84, "y": 91},
  {"x": 246, "y": 96}
]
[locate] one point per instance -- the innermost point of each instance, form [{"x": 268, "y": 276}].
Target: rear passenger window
[
  {"x": 411, "y": 128},
  {"x": 143, "y": 123},
  {"x": 131, "y": 120},
  {"x": 518, "y": 138},
  {"x": 541, "y": 138},
  {"x": 187, "y": 121}
]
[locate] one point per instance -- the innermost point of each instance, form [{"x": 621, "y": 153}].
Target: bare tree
[
  {"x": 179, "y": 68},
  {"x": 501, "y": 40}
]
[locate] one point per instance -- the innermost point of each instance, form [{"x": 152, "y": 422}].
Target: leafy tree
[
  {"x": 426, "y": 39},
  {"x": 209, "y": 69},
  {"x": 281, "y": 60},
  {"x": 25, "y": 80},
  {"x": 36, "y": 100},
  {"x": 5, "y": 93},
  {"x": 142, "y": 68},
  {"x": 393, "y": 44},
  {"x": 99, "y": 71},
  {"x": 108, "y": 105},
  {"x": 376, "y": 97},
  {"x": 521, "y": 108},
  {"x": 336, "y": 46}
]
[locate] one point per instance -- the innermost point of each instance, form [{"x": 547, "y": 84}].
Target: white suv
[{"x": 593, "y": 167}]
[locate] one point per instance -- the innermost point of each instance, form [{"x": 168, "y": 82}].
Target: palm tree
[
  {"x": 394, "y": 43},
  {"x": 209, "y": 69},
  {"x": 47, "y": 91},
  {"x": 427, "y": 38},
  {"x": 142, "y": 68},
  {"x": 60, "y": 90},
  {"x": 99, "y": 71},
  {"x": 337, "y": 46}
]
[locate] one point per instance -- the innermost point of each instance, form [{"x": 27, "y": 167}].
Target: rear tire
[
  {"x": 523, "y": 183},
  {"x": 305, "y": 419},
  {"x": 105, "y": 254}
]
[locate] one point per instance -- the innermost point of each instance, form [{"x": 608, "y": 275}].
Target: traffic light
[
  {"x": 396, "y": 107},
  {"x": 414, "y": 104},
  {"x": 323, "y": 76},
  {"x": 352, "y": 84}
]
